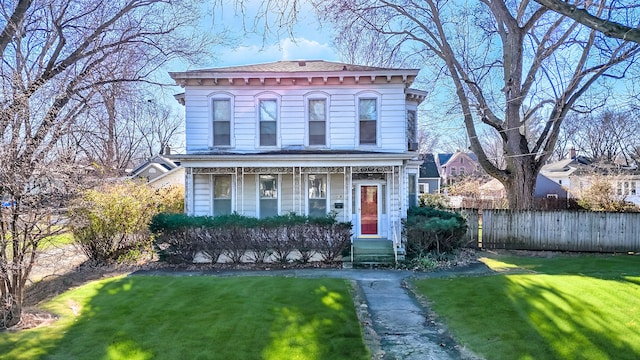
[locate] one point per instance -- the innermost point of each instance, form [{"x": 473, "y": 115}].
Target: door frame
[{"x": 358, "y": 186}]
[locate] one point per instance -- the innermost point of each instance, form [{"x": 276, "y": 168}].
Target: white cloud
[{"x": 286, "y": 49}]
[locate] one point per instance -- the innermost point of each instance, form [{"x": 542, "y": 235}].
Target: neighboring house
[
  {"x": 310, "y": 137},
  {"x": 159, "y": 171},
  {"x": 429, "y": 180},
  {"x": 173, "y": 177},
  {"x": 579, "y": 173},
  {"x": 457, "y": 165},
  {"x": 545, "y": 189}
]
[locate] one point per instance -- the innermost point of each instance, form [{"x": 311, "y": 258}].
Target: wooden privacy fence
[{"x": 555, "y": 230}]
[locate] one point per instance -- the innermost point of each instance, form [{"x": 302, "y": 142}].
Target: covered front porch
[{"x": 372, "y": 194}]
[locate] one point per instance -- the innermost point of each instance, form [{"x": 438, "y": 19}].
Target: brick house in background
[{"x": 456, "y": 165}]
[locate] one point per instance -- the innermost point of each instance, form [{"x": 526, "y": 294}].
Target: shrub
[
  {"x": 236, "y": 236},
  {"x": 110, "y": 223},
  {"x": 429, "y": 229},
  {"x": 438, "y": 201}
]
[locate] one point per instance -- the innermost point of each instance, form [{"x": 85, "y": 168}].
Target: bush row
[
  {"x": 429, "y": 229},
  {"x": 179, "y": 238}
]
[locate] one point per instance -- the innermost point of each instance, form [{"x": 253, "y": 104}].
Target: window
[
  {"x": 454, "y": 171},
  {"x": 413, "y": 197},
  {"x": 461, "y": 171},
  {"x": 411, "y": 127},
  {"x": 268, "y": 112},
  {"x": 368, "y": 115},
  {"x": 626, "y": 188},
  {"x": 423, "y": 188},
  {"x": 317, "y": 112},
  {"x": 221, "y": 114},
  {"x": 221, "y": 194},
  {"x": 268, "y": 195},
  {"x": 317, "y": 195}
]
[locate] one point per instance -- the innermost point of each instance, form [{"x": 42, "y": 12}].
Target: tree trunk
[
  {"x": 520, "y": 187},
  {"x": 11, "y": 310}
]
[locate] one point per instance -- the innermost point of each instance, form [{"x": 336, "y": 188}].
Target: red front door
[{"x": 369, "y": 210}]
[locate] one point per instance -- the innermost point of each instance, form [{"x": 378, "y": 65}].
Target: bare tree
[
  {"x": 160, "y": 127},
  {"x": 608, "y": 136},
  {"x": 59, "y": 58},
  {"x": 511, "y": 62},
  {"x": 578, "y": 11}
]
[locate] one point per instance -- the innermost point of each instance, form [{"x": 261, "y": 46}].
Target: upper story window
[
  {"x": 412, "y": 125},
  {"x": 221, "y": 113},
  {"x": 317, "y": 116},
  {"x": 268, "y": 118},
  {"x": 221, "y": 120},
  {"x": 368, "y": 121}
]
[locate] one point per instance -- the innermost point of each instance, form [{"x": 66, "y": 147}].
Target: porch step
[{"x": 373, "y": 252}]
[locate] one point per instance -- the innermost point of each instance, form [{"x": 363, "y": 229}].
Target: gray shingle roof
[{"x": 297, "y": 66}]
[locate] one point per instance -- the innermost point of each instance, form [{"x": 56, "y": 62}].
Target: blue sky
[{"x": 311, "y": 42}]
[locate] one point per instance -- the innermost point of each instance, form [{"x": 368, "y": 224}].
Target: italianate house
[{"x": 309, "y": 137}]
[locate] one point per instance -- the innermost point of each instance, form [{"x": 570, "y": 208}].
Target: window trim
[
  {"x": 368, "y": 95},
  {"x": 327, "y": 99},
  {"x": 268, "y": 96},
  {"x": 210, "y": 99}
]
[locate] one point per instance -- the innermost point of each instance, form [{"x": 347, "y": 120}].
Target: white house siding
[
  {"x": 202, "y": 194},
  {"x": 342, "y": 116},
  {"x": 174, "y": 177},
  {"x": 338, "y": 195},
  {"x": 287, "y": 204}
]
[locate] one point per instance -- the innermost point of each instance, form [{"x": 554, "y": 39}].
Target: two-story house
[
  {"x": 310, "y": 137},
  {"x": 456, "y": 166}
]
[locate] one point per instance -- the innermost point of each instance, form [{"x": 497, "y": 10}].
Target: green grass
[
  {"x": 59, "y": 240},
  {"x": 565, "y": 307},
  {"x": 197, "y": 318}
]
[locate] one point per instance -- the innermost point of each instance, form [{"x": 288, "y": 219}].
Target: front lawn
[
  {"x": 141, "y": 317},
  {"x": 564, "y": 307}
]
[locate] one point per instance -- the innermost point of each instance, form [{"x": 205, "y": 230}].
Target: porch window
[
  {"x": 317, "y": 195},
  {"x": 221, "y": 194},
  {"x": 317, "y": 122},
  {"x": 413, "y": 197},
  {"x": 368, "y": 114},
  {"x": 268, "y": 122},
  {"x": 268, "y": 195},
  {"x": 221, "y": 113}
]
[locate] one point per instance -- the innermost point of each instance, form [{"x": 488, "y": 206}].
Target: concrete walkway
[{"x": 401, "y": 323}]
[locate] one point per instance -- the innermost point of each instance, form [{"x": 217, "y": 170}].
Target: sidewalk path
[{"x": 402, "y": 325}]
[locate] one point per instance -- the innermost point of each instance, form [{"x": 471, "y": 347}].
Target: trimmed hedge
[
  {"x": 178, "y": 238},
  {"x": 429, "y": 229}
]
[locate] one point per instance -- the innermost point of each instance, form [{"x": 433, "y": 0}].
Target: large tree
[
  {"x": 59, "y": 59},
  {"x": 511, "y": 63},
  {"x": 579, "y": 11}
]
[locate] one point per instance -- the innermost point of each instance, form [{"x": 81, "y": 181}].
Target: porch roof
[{"x": 294, "y": 156}]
